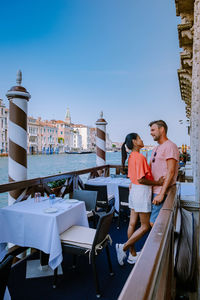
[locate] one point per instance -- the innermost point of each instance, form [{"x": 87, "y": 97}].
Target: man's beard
[{"x": 156, "y": 138}]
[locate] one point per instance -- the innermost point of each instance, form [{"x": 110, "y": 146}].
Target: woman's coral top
[{"x": 138, "y": 167}]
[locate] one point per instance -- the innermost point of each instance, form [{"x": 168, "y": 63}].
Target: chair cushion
[
  {"x": 79, "y": 236},
  {"x": 124, "y": 203},
  {"x": 110, "y": 197},
  {"x": 89, "y": 213}
]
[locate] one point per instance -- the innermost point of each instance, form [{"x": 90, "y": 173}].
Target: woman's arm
[{"x": 145, "y": 181}]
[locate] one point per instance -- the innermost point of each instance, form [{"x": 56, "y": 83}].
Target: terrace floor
[{"x": 76, "y": 283}]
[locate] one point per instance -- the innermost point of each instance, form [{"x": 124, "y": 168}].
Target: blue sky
[{"x": 119, "y": 56}]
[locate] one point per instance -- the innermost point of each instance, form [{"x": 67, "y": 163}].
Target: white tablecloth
[
  {"x": 187, "y": 191},
  {"x": 112, "y": 186},
  {"x": 188, "y": 172},
  {"x": 6, "y": 295},
  {"x": 26, "y": 224}
]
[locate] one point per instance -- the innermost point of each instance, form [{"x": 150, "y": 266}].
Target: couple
[{"x": 143, "y": 199}]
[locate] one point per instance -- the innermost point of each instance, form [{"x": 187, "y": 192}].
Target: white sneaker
[
  {"x": 121, "y": 254},
  {"x": 132, "y": 259}
]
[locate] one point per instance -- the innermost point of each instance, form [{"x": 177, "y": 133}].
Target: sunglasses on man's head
[{"x": 153, "y": 160}]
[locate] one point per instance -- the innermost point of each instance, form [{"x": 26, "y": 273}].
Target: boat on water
[
  {"x": 86, "y": 152},
  {"x": 72, "y": 152},
  {"x": 78, "y": 152}
]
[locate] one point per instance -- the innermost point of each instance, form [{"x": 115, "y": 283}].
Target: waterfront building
[
  {"x": 33, "y": 136},
  {"x": 42, "y": 136},
  {"x": 84, "y": 132},
  {"x": 92, "y": 138},
  {"x": 189, "y": 76},
  {"x": 47, "y": 137},
  {"x": 64, "y": 133},
  {"x": 75, "y": 140},
  {"x": 3, "y": 128},
  {"x": 108, "y": 142},
  {"x": 52, "y": 136}
]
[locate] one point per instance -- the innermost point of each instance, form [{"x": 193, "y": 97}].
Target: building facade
[
  {"x": 64, "y": 136},
  {"x": 49, "y": 137},
  {"x": 55, "y": 136},
  {"x": 84, "y": 132},
  {"x": 189, "y": 76},
  {"x": 75, "y": 140},
  {"x": 33, "y": 136}
]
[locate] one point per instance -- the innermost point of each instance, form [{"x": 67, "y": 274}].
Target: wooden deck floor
[{"x": 75, "y": 284}]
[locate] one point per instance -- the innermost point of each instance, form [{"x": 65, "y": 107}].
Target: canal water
[{"x": 45, "y": 165}]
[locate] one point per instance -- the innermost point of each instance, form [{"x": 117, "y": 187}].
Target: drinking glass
[
  {"x": 51, "y": 199},
  {"x": 37, "y": 197}
]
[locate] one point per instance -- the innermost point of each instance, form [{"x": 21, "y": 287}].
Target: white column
[
  {"x": 17, "y": 159},
  {"x": 196, "y": 100},
  {"x": 101, "y": 141}
]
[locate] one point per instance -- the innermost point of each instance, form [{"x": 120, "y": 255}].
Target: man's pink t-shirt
[{"x": 163, "y": 152}]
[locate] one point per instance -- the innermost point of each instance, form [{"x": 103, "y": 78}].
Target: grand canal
[{"x": 44, "y": 165}]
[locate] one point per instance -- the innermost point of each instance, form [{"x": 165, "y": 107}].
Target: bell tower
[{"x": 68, "y": 117}]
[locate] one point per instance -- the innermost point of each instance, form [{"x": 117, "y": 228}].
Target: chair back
[
  {"x": 101, "y": 189},
  {"x": 103, "y": 228},
  {"x": 89, "y": 197},
  {"x": 5, "y": 267},
  {"x": 123, "y": 193}
]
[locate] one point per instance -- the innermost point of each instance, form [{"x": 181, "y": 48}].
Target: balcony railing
[{"x": 152, "y": 278}]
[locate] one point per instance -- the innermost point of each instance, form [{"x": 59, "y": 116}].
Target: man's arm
[{"x": 171, "y": 167}]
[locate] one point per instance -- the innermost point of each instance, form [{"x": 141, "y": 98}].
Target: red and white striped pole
[
  {"x": 17, "y": 161},
  {"x": 101, "y": 141}
]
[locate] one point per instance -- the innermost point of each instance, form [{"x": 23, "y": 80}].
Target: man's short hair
[{"x": 160, "y": 123}]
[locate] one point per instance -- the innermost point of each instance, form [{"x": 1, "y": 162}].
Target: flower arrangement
[
  {"x": 56, "y": 183},
  {"x": 56, "y": 186}
]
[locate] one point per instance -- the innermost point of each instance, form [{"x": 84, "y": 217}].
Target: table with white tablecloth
[
  {"x": 112, "y": 186},
  {"x": 28, "y": 224},
  {"x": 187, "y": 191}
]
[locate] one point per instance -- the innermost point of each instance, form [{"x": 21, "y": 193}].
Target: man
[{"x": 164, "y": 162}]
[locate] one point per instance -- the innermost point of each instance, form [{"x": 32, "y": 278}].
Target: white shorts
[{"x": 140, "y": 197}]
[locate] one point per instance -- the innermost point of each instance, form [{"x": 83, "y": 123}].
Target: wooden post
[
  {"x": 101, "y": 141},
  {"x": 17, "y": 161}
]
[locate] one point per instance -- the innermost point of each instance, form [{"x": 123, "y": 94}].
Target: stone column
[
  {"x": 196, "y": 99},
  {"x": 101, "y": 141},
  {"x": 17, "y": 161}
]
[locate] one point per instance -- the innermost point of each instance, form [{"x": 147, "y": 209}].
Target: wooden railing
[
  {"x": 152, "y": 276},
  {"x": 72, "y": 181}
]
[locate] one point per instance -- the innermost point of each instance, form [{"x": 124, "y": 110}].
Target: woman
[{"x": 140, "y": 193}]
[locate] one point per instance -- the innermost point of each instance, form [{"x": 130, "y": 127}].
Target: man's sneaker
[
  {"x": 132, "y": 259},
  {"x": 121, "y": 254}
]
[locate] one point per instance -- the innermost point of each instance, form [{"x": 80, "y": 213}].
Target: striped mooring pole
[
  {"x": 101, "y": 141},
  {"x": 17, "y": 160}
]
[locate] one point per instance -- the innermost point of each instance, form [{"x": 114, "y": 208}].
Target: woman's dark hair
[{"x": 129, "y": 143}]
